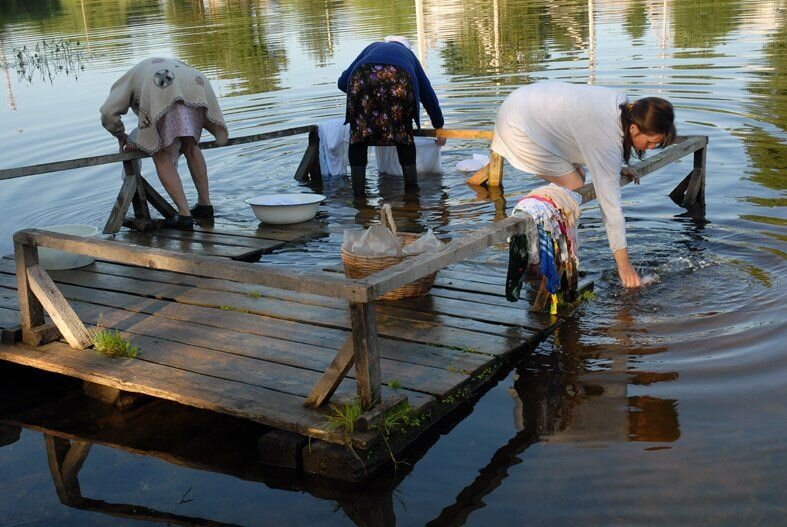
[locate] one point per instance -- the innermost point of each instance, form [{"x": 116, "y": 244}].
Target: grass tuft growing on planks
[
  {"x": 342, "y": 418},
  {"x": 112, "y": 344}
]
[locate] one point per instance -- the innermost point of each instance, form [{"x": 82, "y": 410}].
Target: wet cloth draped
[
  {"x": 151, "y": 89},
  {"x": 550, "y": 237},
  {"x": 380, "y": 105}
]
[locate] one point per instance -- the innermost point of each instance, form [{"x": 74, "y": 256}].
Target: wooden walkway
[{"x": 256, "y": 352}]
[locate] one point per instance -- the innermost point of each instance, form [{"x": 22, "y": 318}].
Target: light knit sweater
[
  {"x": 150, "y": 89},
  {"x": 572, "y": 124}
]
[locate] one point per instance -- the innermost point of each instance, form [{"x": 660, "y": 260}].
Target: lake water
[{"x": 665, "y": 406}]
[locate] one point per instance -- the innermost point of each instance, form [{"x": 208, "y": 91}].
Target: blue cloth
[
  {"x": 398, "y": 55},
  {"x": 546, "y": 251}
]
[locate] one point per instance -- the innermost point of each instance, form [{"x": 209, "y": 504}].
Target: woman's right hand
[{"x": 628, "y": 275}]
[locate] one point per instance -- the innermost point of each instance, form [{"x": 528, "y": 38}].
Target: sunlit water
[{"x": 664, "y": 406}]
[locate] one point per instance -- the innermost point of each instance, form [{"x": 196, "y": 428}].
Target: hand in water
[{"x": 629, "y": 277}]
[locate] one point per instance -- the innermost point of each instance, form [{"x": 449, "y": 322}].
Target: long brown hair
[{"x": 653, "y": 116}]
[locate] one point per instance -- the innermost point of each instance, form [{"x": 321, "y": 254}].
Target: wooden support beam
[
  {"x": 480, "y": 177},
  {"x": 495, "y": 169},
  {"x": 310, "y": 157},
  {"x": 455, "y": 134},
  {"x": 40, "y": 335},
  {"x": 326, "y": 284},
  {"x": 31, "y": 310},
  {"x": 366, "y": 352},
  {"x": 127, "y": 192},
  {"x": 158, "y": 201},
  {"x": 695, "y": 192},
  {"x": 332, "y": 377},
  {"x": 61, "y": 313},
  {"x": 139, "y": 200}
]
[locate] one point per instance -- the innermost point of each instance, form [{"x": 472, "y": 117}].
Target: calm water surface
[{"x": 665, "y": 406}]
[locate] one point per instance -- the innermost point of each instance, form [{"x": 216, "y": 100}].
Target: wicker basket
[{"x": 356, "y": 266}]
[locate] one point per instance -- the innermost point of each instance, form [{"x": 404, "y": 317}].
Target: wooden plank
[
  {"x": 262, "y": 405},
  {"x": 455, "y": 134},
  {"x": 31, "y": 310},
  {"x": 58, "y": 308},
  {"x": 480, "y": 177},
  {"x": 139, "y": 201},
  {"x": 332, "y": 377},
  {"x": 665, "y": 157},
  {"x": 369, "y": 418},
  {"x": 435, "y": 355},
  {"x": 366, "y": 352},
  {"x": 323, "y": 283},
  {"x": 495, "y": 169},
  {"x": 287, "y": 233},
  {"x": 211, "y": 238},
  {"x": 157, "y": 200},
  {"x": 127, "y": 192},
  {"x": 181, "y": 241},
  {"x": 10, "y": 173}
]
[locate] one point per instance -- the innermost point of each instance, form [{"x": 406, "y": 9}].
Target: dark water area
[{"x": 660, "y": 407}]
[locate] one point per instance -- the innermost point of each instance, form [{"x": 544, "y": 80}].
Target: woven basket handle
[{"x": 385, "y": 214}]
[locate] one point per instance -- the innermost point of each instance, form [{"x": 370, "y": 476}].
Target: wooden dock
[{"x": 274, "y": 346}]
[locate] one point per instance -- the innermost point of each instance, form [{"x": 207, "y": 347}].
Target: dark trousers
[{"x": 358, "y": 154}]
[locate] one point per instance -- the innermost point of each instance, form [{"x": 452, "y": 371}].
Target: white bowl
[
  {"x": 281, "y": 209},
  {"x": 57, "y": 260}
]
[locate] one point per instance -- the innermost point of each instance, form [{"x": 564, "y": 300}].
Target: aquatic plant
[
  {"x": 113, "y": 344},
  {"x": 48, "y": 58}
]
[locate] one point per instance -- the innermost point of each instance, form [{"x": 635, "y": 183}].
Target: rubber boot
[
  {"x": 410, "y": 176},
  {"x": 358, "y": 174}
]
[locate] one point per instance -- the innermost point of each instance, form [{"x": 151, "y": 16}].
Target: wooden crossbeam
[
  {"x": 58, "y": 308},
  {"x": 127, "y": 192},
  {"x": 332, "y": 377}
]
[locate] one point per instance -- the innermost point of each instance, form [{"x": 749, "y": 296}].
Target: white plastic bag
[
  {"x": 377, "y": 240},
  {"x": 475, "y": 164},
  {"x": 425, "y": 244},
  {"x": 427, "y": 157}
]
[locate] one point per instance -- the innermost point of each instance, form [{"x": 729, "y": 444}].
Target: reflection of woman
[
  {"x": 385, "y": 85},
  {"x": 173, "y": 102},
  {"x": 551, "y": 129}
]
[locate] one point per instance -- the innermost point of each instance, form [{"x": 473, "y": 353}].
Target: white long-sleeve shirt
[{"x": 548, "y": 127}]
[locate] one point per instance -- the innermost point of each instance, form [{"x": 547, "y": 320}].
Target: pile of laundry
[{"x": 549, "y": 246}]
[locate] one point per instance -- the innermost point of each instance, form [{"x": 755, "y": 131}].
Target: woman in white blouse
[{"x": 551, "y": 129}]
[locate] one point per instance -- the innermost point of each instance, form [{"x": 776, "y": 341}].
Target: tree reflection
[{"x": 701, "y": 24}]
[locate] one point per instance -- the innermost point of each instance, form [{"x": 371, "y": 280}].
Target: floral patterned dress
[{"x": 380, "y": 104}]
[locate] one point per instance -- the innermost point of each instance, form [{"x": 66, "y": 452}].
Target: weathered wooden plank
[
  {"x": 174, "y": 241},
  {"x": 211, "y": 238},
  {"x": 139, "y": 201},
  {"x": 314, "y": 283},
  {"x": 332, "y": 377},
  {"x": 287, "y": 233},
  {"x": 243, "y": 400},
  {"x": 127, "y": 192},
  {"x": 366, "y": 353},
  {"x": 436, "y": 355},
  {"x": 401, "y": 324},
  {"x": 665, "y": 157},
  {"x": 10, "y": 173},
  {"x": 371, "y": 417},
  {"x": 58, "y": 308}
]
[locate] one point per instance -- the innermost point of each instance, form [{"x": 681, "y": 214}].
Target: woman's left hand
[{"x": 631, "y": 174}]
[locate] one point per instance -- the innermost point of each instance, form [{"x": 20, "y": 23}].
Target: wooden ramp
[{"x": 256, "y": 352}]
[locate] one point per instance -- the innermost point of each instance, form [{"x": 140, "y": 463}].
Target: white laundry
[
  {"x": 475, "y": 164},
  {"x": 334, "y": 143},
  {"x": 427, "y": 157}
]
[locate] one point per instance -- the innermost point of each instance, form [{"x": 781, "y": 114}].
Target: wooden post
[
  {"x": 366, "y": 352},
  {"x": 139, "y": 200},
  {"x": 495, "y": 169},
  {"x": 61, "y": 313},
  {"x": 127, "y": 192},
  {"x": 31, "y": 310},
  {"x": 695, "y": 192},
  {"x": 310, "y": 157},
  {"x": 315, "y": 174}
]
